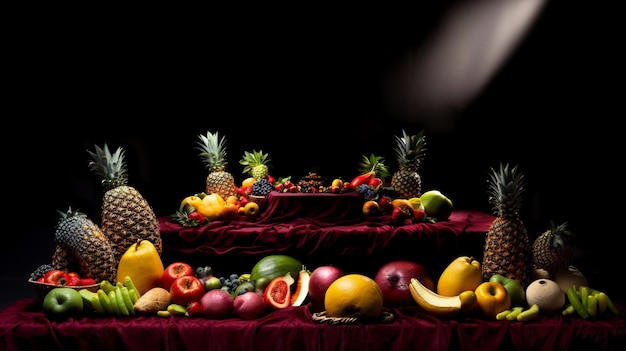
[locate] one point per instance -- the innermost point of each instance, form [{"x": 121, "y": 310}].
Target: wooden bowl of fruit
[{"x": 42, "y": 289}]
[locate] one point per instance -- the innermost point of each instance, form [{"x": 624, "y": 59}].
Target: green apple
[
  {"x": 62, "y": 303},
  {"x": 513, "y": 287},
  {"x": 436, "y": 205}
]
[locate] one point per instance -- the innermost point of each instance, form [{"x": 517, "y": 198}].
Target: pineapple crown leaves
[
  {"x": 506, "y": 189},
  {"x": 213, "y": 151},
  {"x": 70, "y": 213},
  {"x": 182, "y": 217},
  {"x": 410, "y": 149},
  {"x": 559, "y": 235},
  {"x": 374, "y": 163},
  {"x": 110, "y": 166},
  {"x": 252, "y": 159}
]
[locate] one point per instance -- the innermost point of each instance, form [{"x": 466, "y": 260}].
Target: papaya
[{"x": 272, "y": 266}]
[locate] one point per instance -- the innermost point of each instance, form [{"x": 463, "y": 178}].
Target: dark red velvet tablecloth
[
  {"x": 24, "y": 327},
  {"x": 323, "y": 229}
]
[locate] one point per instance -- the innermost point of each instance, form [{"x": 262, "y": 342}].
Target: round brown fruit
[{"x": 370, "y": 208}]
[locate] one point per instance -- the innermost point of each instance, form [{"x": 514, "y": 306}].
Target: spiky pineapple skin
[
  {"x": 64, "y": 260},
  {"x": 221, "y": 183},
  {"x": 407, "y": 184},
  {"x": 128, "y": 218},
  {"x": 507, "y": 250},
  {"x": 551, "y": 258},
  {"x": 84, "y": 240}
]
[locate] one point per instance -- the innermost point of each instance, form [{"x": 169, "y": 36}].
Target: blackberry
[
  {"x": 262, "y": 187},
  {"x": 41, "y": 271}
]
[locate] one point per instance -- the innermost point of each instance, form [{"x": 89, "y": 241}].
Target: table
[{"x": 24, "y": 327}]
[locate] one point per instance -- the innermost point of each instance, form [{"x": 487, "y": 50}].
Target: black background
[{"x": 307, "y": 88}]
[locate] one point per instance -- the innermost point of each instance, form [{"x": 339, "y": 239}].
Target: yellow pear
[
  {"x": 464, "y": 273},
  {"x": 142, "y": 263}
]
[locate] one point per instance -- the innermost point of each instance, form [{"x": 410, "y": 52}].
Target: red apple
[
  {"x": 249, "y": 305},
  {"x": 319, "y": 281},
  {"x": 394, "y": 279},
  {"x": 175, "y": 270},
  {"x": 186, "y": 289},
  {"x": 217, "y": 304}
]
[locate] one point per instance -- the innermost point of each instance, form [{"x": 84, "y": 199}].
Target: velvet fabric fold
[{"x": 24, "y": 327}]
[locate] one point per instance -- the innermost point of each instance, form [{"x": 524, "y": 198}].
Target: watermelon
[{"x": 272, "y": 266}]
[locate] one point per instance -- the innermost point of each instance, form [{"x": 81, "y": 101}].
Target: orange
[
  {"x": 233, "y": 199},
  {"x": 354, "y": 295},
  {"x": 230, "y": 212}
]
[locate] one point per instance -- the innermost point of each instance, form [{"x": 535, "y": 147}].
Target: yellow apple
[
  {"x": 462, "y": 274},
  {"x": 492, "y": 298}
]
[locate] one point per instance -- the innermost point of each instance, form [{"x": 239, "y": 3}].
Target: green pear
[{"x": 513, "y": 287}]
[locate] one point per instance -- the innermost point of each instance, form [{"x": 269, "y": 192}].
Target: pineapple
[
  {"x": 552, "y": 250},
  {"x": 376, "y": 164},
  {"x": 213, "y": 153},
  {"x": 64, "y": 260},
  {"x": 255, "y": 164},
  {"x": 410, "y": 151},
  {"x": 126, "y": 215},
  {"x": 507, "y": 248},
  {"x": 83, "y": 239}
]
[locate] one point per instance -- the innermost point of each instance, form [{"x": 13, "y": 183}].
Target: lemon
[{"x": 337, "y": 182}]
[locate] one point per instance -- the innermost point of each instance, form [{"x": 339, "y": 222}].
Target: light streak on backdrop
[{"x": 437, "y": 80}]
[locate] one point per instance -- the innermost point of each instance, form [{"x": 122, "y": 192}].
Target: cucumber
[{"x": 272, "y": 266}]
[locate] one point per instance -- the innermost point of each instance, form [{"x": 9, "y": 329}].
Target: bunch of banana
[
  {"x": 588, "y": 302},
  {"x": 518, "y": 313},
  {"x": 117, "y": 300},
  {"x": 439, "y": 305}
]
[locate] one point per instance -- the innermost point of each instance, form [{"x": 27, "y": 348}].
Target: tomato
[
  {"x": 277, "y": 293},
  {"x": 87, "y": 281},
  {"x": 73, "y": 279},
  {"x": 195, "y": 309},
  {"x": 56, "y": 277},
  {"x": 197, "y": 216}
]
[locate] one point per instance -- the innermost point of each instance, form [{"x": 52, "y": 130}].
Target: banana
[
  {"x": 164, "y": 313},
  {"x": 114, "y": 304},
  {"x": 134, "y": 295},
  {"x": 97, "y": 306},
  {"x": 602, "y": 302},
  {"x": 568, "y": 310},
  {"x": 515, "y": 311},
  {"x": 438, "y": 305},
  {"x": 120, "y": 301},
  {"x": 530, "y": 313},
  {"x": 128, "y": 282},
  {"x": 502, "y": 315},
  {"x": 105, "y": 301},
  {"x": 176, "y": 309},
  {"x": 107, "y": 286},
  {"x": 127, "y": 300},
  {"x": 86, "y": 296}
]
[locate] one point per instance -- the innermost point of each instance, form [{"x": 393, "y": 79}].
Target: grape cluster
[
  {"x": 366, "y": 191},
  {"x": 231, "y": 282},
  {"x": 41, "y": 271},
  {"x": 262, "y": 187}
]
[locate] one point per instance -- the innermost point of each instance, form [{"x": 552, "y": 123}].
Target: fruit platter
[{"x": 315, "y": 254}]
